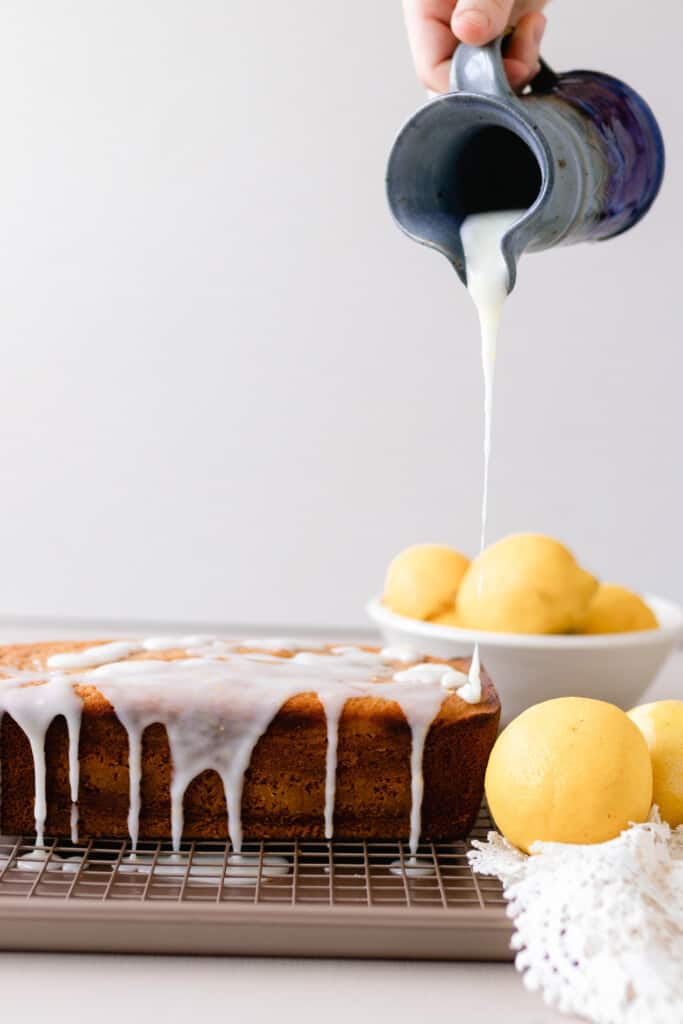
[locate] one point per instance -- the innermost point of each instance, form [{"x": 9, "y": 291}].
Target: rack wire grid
[{"x": 290, "y": 897}]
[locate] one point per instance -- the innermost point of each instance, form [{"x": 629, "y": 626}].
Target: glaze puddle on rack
[{"x": 288, "y": 898}]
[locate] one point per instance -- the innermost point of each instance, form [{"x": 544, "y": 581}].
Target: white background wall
[{"x": 231, "y": 389}]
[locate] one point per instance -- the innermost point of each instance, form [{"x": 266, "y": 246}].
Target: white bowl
[{"x": 617, "y": 667}]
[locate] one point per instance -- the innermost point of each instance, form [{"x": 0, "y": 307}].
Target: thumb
[{"x": 479, "y": 21}]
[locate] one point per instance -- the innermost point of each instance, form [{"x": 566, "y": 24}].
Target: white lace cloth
[{"x": 598, "y": 929}]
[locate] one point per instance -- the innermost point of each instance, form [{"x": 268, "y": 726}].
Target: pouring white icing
[
  {"x": 487, "y": 283},
  {"x": 215, "y": 704}
]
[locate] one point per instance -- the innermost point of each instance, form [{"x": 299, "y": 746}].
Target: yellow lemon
[
  {"x": 570, "y": 770},
  {"x": 447, "y": 618},
  {"x": 661, "y": 724},
  {"x": 423, "y": 580},
  {"x": 525, "y": 583},
  {"x": 617, "y": 610}
]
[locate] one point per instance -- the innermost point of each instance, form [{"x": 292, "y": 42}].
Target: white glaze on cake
[
  {"x": 33, "y": 707},
  {"x": 172, "y": 643},
  {"x": 94, "y": 655},
  {"x": 402, "y": 654},
  {"x": 215, "y": 703}
]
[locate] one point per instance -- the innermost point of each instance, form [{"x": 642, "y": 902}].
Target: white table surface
[{"x": 130, "y": 989}]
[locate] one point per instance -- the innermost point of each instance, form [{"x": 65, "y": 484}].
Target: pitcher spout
[{"x": 461, "y": 154}]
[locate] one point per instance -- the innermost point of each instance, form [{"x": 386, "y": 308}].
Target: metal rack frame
[{"x": 289, "y": 898}]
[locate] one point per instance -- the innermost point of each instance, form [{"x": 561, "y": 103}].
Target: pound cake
[{"x": 195, "y": 738}]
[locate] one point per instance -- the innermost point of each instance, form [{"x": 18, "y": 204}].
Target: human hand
[{"x": 435, "y": 27}]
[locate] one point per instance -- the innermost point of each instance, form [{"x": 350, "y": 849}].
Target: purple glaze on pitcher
[{"x": 633, "y": 146}]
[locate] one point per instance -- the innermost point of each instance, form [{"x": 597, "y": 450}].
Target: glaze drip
[{"x": 33, "y": 708}]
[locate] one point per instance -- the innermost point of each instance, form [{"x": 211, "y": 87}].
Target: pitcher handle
[
  {"x": 545, "y": 81},
  {"x": 480, "y": 69}
]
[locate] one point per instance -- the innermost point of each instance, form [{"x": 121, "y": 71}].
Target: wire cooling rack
[{"x": 296, "y": 898}]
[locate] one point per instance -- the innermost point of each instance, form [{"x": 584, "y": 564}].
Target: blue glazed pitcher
[{"x": 581, "y": 152}]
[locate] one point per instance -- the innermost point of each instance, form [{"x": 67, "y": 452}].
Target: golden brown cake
[{"x": 284, "y": 785}]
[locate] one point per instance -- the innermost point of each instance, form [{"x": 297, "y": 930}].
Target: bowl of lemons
[{"x": 544, "y": 625}]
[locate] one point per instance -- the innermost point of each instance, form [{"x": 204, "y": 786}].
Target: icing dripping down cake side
[{"x": 204, "y": 719}]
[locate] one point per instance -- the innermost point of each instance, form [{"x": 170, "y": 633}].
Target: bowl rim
[{"x": 669, "y": 615}]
